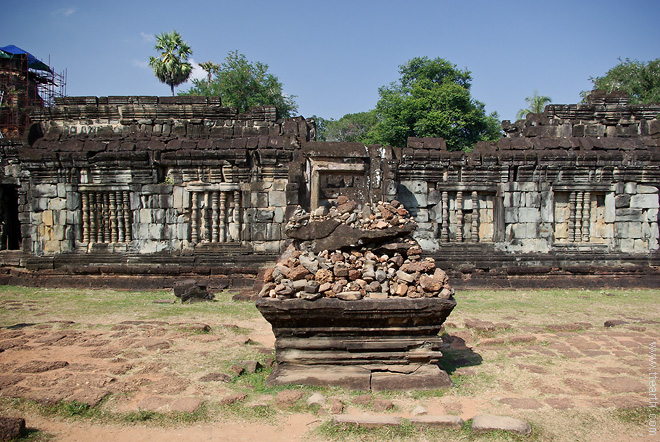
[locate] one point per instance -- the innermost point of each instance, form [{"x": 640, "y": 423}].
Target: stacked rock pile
[
  {"x": 388, "y": 265},
  {"x": 380, "y": 216}
]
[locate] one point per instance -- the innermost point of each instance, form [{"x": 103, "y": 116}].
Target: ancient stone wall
[{"x": 144, "y": 182}]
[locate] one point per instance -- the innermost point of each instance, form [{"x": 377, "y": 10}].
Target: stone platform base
[
  {"x": 370, "y": 344},
  {"x": 425, "y": 377}
]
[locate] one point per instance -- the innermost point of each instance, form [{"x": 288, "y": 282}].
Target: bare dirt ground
[{"x": 146, "y": 371}]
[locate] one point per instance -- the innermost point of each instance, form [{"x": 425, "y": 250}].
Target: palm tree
[
  {"x": 172, "y": 66},
  {"x": 210, "y": 68},
  {"x": 536, "y": 105}
]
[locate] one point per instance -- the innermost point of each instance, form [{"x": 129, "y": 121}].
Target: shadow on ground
[{"x": 457, "y": 355}]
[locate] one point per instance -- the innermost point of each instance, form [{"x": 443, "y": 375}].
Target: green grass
[
  {"x": 567, "y": 306},
  {"x": 406, "y": 432},
  {"x": 79, "y": 304},
  {"x": 101, "y": 309},
  {"x": 636, "y": 416}
]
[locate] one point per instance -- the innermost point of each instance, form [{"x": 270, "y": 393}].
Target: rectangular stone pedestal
[{"x": 385, "y": 344}]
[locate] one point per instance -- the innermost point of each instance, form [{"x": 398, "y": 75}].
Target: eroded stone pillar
[
  {"x": 223, "y": 216},
  {"x": 112, "y": 209},
  {"x": 214, "y": 217},
  {"x": 571, "y": 217},
  {"x": 128, "y": 231},
  {"x": 586, "y": 216},
  {"x": 85, "y": 216},
  {"x": 459, "y": 216},
  {"x": 444, "y": 235},
  {"x": 121, "y": 230},
  {"x": 578, "y": 216},
  {"x": 194, "y": 235},
  {"x": 475, "y": 217}
]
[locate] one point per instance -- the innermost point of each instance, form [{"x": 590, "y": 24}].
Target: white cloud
[
  {"x": 65, "y": 11},
  {"x": 142, "y": 64},
  {"x": 148, "y": 38},
  {"x": 198, "y": 73}
]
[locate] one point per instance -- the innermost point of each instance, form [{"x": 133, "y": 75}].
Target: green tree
[
  {"x": 640, "y": 80},
  {"x": 355, "y": 127},
  {"x": 243, "y": 84},
  {"x": 210, "y": 68},
  {"x": 432, "y": 99},
  {"x": 172, "y": 66},
  {"x": 320, "y": 124},
  {"x": 536, "y": 105}
]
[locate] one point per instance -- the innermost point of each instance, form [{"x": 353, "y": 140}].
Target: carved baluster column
[
  {"x": 121, "y": 234},
  {"x": 475, "y": 216},
  {"x": 106, "y": 217},
  {"x": 237, "y": 213},
  {"x": 85, "y": 216},
  {"x": 99, "y": 220},
  {"x": 571, "y": 217},
  {"x": 207, "y": 217},
  {"x": 586, "y": 216},
  {"x": 113, "y": 216},
  {"x": 93, "y": 214},
  {"x": 578, "y": 217},
  {"x": 128, "y": 231},
  {"x": 214, "y": 217},
  {"x": 223, "y": 216},
  {"x": 444, "y": 235},
  {"x": 459, "y": 216},
  {"x": 194, "y": 236}
]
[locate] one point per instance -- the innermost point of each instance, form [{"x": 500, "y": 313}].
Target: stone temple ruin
[
  {"x": 101, "y": 190},
  {"x": 388, "y": 339}
]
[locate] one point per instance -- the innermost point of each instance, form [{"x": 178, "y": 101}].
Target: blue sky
[{"x": 334, "y": 55}]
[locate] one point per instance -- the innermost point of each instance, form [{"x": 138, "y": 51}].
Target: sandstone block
[
  {"x": 504, "y": 423},
  {"x": 437, "y": 421},
  {"x": 367, "y": 421},
  {"x": 12, "y": 428},
  {"x": 644, "y": 201}
]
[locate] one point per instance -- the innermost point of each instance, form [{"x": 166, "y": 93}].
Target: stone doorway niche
[
  {"x": 10, "y": 227},
  {"x": 332, "y": 177}
]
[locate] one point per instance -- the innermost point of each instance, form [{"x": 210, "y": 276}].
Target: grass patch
[
  {"x": 328, "y": 430},
  {"x": 114, "y": 305},
  {"x": 406, "y": 432},
  {"x": 635, "y": 416}
]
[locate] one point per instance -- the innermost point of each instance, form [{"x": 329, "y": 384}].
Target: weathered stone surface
[
  {"x": 40, "y": 366},
  {"x": 381, "y": 405},
  {"x": 186, "y": 404},
  {"x": 287, "y": 398},
  {"x": 11, "y": 428},
  {"x": 336, "y": 406},
  {"x": 304, "y": 331},
  {"x": 215, "y": 377},
  {"x": 316, "y": 399},
  {"x": 437, "y": 421},
  {"x": 367, "y": 421},
  {"x": 191, "y": 290},
  {"x": 153, "y": 403},
  {"x": 504, "y": 423},
  {"x": 427, "y": 377}
]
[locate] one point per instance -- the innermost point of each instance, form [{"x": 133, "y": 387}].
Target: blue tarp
[{"x": 33, "y": 62}]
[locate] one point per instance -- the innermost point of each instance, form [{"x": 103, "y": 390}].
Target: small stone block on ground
[
  {"x": 488, "y": 422},
  {"x": 11, "y": 428},
  {"x": 153, "y": 403},
  {"x": 186, "y": 404},
  {"x": 287, "y": 398},
  {"x": 437, "y": 421},
  {"x": 367, "y": 421},
  {"x": 316, "y": 399}
]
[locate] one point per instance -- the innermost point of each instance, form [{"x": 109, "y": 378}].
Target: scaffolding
[{"x": 25, "y": 83}]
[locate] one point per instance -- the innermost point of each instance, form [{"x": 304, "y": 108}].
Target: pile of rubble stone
[{"x": 374, "y": 256}]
